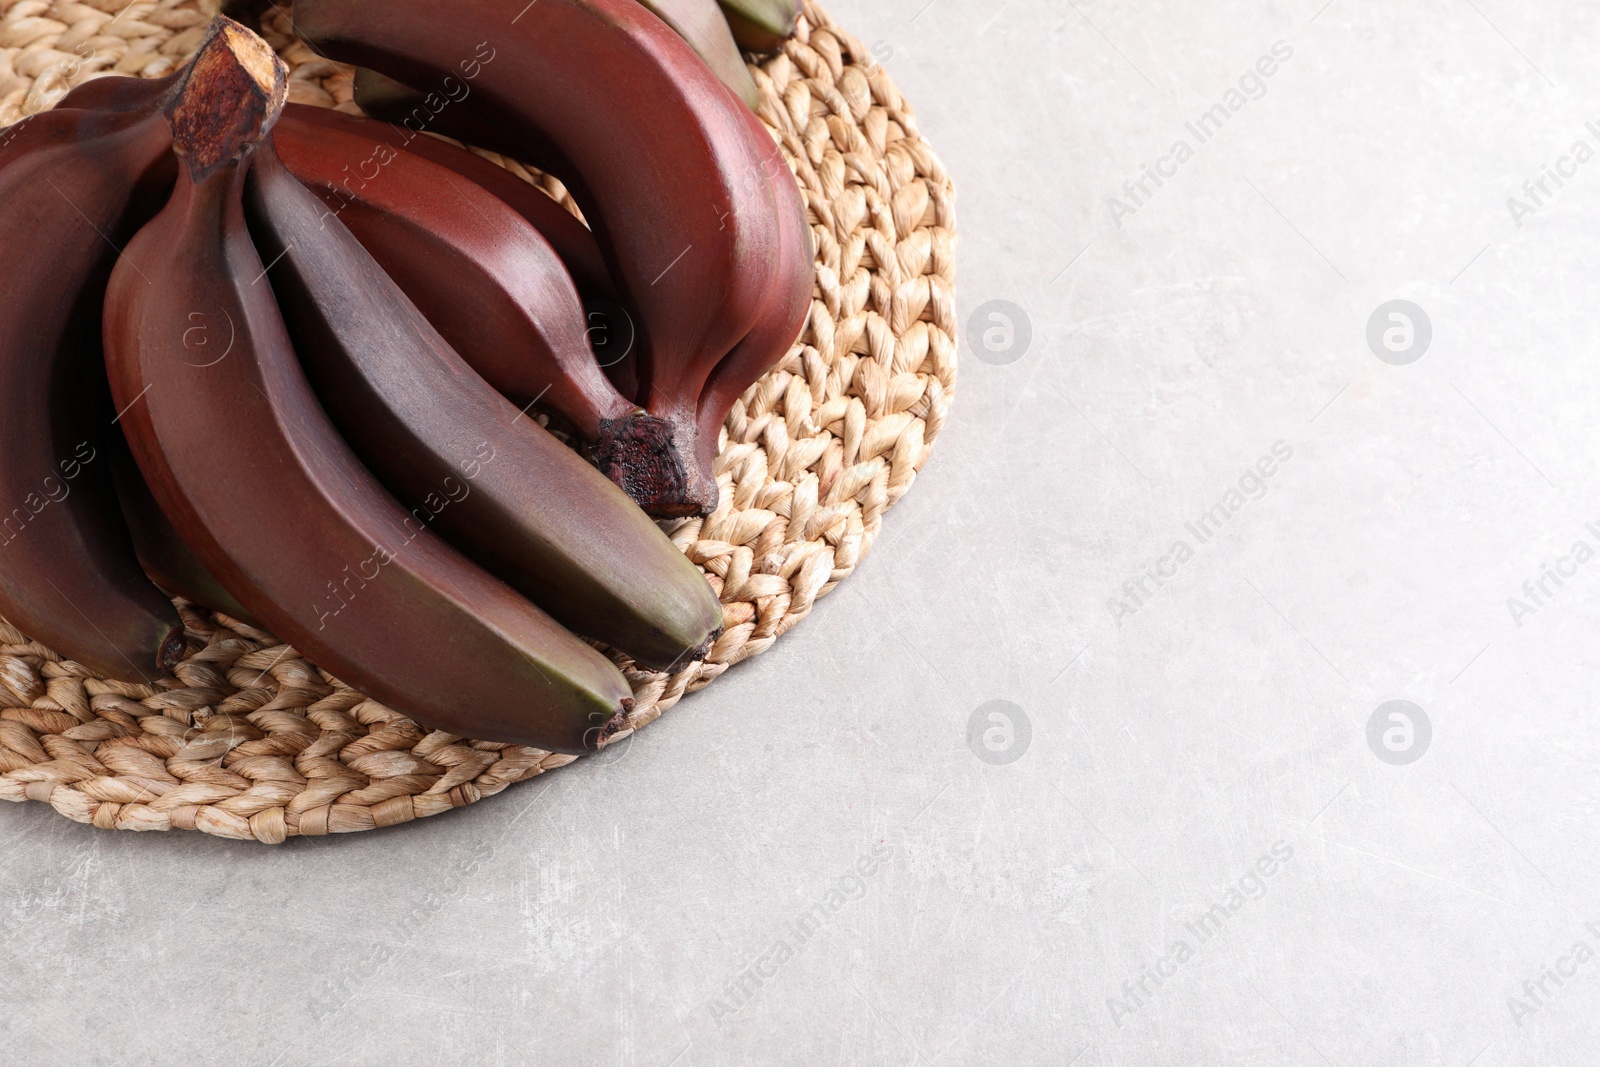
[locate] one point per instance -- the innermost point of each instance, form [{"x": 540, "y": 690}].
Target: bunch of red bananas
[{"x": 300, "y": 393}]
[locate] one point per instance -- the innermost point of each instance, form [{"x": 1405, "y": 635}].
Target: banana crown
[{"x": 229, "y": 100}]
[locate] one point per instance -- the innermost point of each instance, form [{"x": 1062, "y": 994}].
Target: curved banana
[
  {"x": 571, "y": 239},
  {"x": 783, "y": 315},
  {"x": 405, "y": 113},
  {"x": 70, "y": 184},
  {"x": 486, "y": 279}
]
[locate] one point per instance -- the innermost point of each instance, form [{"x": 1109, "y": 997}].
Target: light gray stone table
[{"x": 1185, "y": 839}]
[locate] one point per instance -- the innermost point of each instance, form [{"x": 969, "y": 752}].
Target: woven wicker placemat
[{"x": 248, "y": 740}]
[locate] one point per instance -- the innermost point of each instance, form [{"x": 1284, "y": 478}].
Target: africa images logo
[
  {"x": 1252, "y": 85},
  {"x": 1250, "y": 886},
  {"x": 1252, "y": 485}
]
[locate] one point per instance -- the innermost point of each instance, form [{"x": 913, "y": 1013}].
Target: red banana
[
  {"x": 70, "y": 182},
  {"x": 783, "y": 314},
  {"x": 613, "y": 332},
  {"x": 570, "y": 238},
  {"x": 482, "y": 275}
]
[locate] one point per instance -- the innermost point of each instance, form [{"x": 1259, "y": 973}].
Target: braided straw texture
[{"x": 250, "y": 741}]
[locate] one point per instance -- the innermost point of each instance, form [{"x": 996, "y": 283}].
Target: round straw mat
[{"x": 248, "y": 740}]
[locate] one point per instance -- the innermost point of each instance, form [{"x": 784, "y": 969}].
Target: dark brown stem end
[
  {"x": 705, "y": 646},
  {"x": 171, "y": 651},
  {"x": 598, "y": 738},
  {"x": 655, "y": 466},
  {"x": 229, "y": 100}
]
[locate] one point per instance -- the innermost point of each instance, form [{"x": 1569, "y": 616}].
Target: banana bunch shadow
[{"x": 302, "y": 393}]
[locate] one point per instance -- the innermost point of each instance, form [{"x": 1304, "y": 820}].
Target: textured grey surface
[{"x": 651, "y": 908}]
